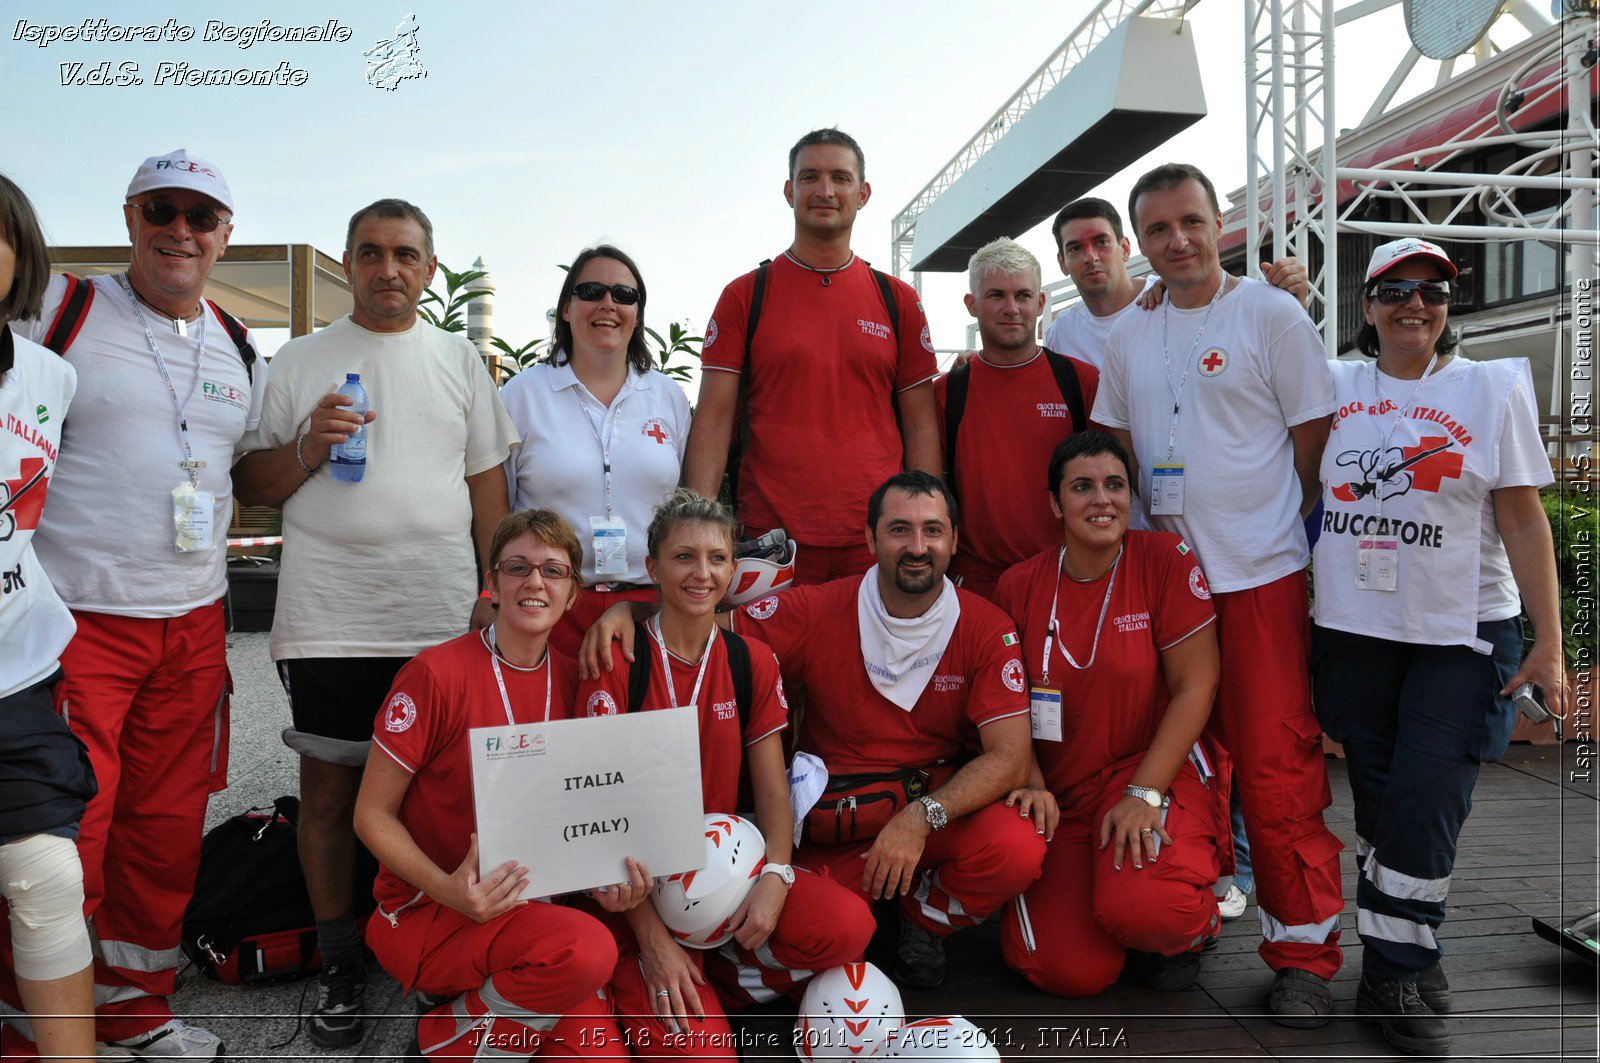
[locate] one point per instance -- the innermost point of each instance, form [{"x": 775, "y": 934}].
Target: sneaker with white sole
[
  {"x": 1231, "y": 905},
  {"x": 174, "y": 1039}
]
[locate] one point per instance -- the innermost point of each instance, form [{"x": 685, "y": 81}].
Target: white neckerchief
[
  {"x": 487, "y": 635},
  {"x": 900, "y": 652}
]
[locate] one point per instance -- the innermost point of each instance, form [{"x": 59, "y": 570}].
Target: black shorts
[{"x": 338, "y": 697}]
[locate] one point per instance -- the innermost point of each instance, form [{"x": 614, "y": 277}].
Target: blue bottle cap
[{"x": 352, "y": 378}]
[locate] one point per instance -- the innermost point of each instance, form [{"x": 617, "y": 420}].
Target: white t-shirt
[
  {"x": 559, "y": 464},
  {"x": 35, "y": 625},
  {"x": 1079, "y": 333},
  {"x": 1468, "y": 429},
  {"x": 107, "y": 540},
  {"x": 1258, "y": 370},
  {"x": 387, "y": 566}
]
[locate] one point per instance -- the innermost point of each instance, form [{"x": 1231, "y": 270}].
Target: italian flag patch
[
  {"x": 1183, "y": 547},
  {"x": 1008, "y": 640}
]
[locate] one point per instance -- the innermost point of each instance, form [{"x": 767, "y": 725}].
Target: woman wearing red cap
[{"x": 1433, "y": 527}]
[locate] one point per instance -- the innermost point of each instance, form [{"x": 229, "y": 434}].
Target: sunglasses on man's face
[
  {"x": 1398, "y": 293},
  {"x": 160, "y": 213},
  {"x": 594, "y": 291}
]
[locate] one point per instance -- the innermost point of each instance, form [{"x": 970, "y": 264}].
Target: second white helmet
[
  {"x": 848, "y": 1012},
  {"x": 697, "y": 906}
]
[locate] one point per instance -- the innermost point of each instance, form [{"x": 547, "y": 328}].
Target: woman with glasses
[
  {"x": 501, "y": 971},
  {"x": 45, "y": 777},
  {"x": 793, "y": 921},
  {"x": 1433, "y": 538},
  {"x": 602, "y": 432},
  {"x": 1118, "y": 634}
]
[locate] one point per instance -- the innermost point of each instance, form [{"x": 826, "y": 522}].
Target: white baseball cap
[
  {"x": 1391, "y": 254},
  {"x": 181, "y": 169}
]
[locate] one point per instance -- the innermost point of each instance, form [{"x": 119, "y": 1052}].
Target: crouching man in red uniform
[{"x": 908, "y": 677}]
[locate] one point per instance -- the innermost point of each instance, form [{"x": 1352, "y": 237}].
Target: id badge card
[
  {"x": 1166, "y": 489},
  {"x": 1378, "y": 564},
  {"x": 1044, "y": 708},
  {"x": 610, "y": 547},
  {"x": 194, "y": 514}
]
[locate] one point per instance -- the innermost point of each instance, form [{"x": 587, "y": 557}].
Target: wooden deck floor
[{"x": 1529, "y": 849}]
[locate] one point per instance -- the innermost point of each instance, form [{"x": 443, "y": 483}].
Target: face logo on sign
[
  {"x": 711, "y": 334},
  {"x": 1011, "y": 675},
  {"x": 655, "y": 430},
  {"x": 400, "y": 714},
  {"x": 1197, "y": 583},
  {"x": 764, "y": 608},
  {"x": 601, "y": 704},
  {"x": 1213, "y": 362}
]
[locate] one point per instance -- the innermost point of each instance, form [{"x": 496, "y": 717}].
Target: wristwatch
[
  {"x": 1148, "y": 794},
  {"x": 784, "y": 872},
  {"x": 938, "y": 817}
]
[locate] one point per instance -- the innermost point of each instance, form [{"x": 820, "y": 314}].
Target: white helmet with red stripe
[
  {"x": 848, "y": 1012},
  {"x": 947, "y": 1037},
  {"x": 761, "y": 567},
  {"x": 697, "y": 906}
]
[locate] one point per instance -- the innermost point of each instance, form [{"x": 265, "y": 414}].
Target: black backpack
[
  {"x": 74, "y": 310},
  {"x": 741, "y": 439},
  {"x": 955, "y": 403},
  {"x": 738, "y": 669}
]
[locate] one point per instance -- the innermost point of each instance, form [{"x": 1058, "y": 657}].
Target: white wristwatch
[{"x": 784, "y": 872}]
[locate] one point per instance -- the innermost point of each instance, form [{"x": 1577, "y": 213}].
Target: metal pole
[{"x": 1583, "y": 257}]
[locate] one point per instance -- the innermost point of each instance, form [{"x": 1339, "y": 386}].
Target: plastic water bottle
[{"x": 349, "y": 459}]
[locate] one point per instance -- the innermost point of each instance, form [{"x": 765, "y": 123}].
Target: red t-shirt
[
  {"x": 1014, "y": 417},
  {"x": 822, "y": 421},
  {"x": 1111, "y": 710},
  {"x": 721, "y": 747},
  {"x": 436, "y": 698},
  {"x": 853, "y": 728}
]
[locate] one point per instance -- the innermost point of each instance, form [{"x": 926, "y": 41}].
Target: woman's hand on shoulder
[
  {"x": 614, "y": 625},
  {"x": 621, "y": 896},
  {"x": 1039, "y": 805},
  {"x": 482, "y": 900}
]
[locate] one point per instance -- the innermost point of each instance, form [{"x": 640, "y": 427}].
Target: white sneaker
[
  {"x": 174, "y": 1039},
  {"x": 1231, "y": 905}
]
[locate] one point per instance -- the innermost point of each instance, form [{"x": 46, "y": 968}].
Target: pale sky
[{"x": 544, "y": 127}]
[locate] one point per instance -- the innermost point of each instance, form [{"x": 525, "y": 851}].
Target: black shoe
[
  {"x": 1408, "y": 1023},
  {"x": 1434, "y": 989},
  {"x": 1164, "y": 974},
  {"x": 1300, "y": 999},
  {"x": 919, "y": 958},
  {"x": 341, "y": 1003}
]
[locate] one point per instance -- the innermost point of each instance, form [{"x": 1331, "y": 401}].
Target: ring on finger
[
  {"x": 1147, "y": 830},
  {"x": 663, "y": 993}
]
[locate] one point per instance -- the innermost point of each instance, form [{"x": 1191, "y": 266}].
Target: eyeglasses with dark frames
[
  {"x": 517, "y": 568},
  {"x": 160, "y": 213}
]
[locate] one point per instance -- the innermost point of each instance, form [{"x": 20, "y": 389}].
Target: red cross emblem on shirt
[
  {"x": 23, "y": 498},
  {"x": 1214, "y": 362},
  {"x": 655, "y": 430},
  {"x": 1427, "y": 473}
]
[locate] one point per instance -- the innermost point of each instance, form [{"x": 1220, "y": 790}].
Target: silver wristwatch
[
  {"x": 938, "y": 817},
  {"x": 1148, "y": 794}
]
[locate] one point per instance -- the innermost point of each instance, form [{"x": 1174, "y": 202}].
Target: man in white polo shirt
[
  {"x": 1225, "y": 398},
  {"x": 134, "y": 541}
]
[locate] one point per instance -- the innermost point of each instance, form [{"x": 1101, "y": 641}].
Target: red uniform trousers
[
  {"x": 149, "y": 697},
  {"x": 1263, "y": 719},
  {"x": 820, "y": 564},
  {"x": 537, "y": 973},
  {"x": 567, "y": 635},
  {"x": 822, "y": 925},
  {"x": 967, "y": 871},
  {"x": 1068, "y": 934}
]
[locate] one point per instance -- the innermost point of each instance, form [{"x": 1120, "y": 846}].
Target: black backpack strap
[
  {"x": 890, "y": 303},
  {"x": 639, "y": 671},
  {"x": 70, "y": 316},
  {"x": 240, "y": 337},
  {"x": 955, "y": 404},
  {"x": 743, "y": 681},
  {"x": 1071, "y": 390},
  {"x": 741, "y": 439}
]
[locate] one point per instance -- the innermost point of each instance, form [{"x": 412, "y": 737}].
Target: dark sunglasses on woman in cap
[{"x": 1398, "y": 293}]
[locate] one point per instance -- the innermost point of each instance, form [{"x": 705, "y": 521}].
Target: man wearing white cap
[{"x": 134, "y": 541}]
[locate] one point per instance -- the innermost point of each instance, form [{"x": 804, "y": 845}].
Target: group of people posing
[{"x": 1048, "y": 612}]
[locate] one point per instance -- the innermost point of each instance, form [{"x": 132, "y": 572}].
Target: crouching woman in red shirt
[
  {"x": 1118, "y": 637},
  {"x": 518, "y": 975},
  {"x": 793, "y": 922}
]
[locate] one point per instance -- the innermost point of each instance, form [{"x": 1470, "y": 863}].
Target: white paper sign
[{"x": 571, "y": 799}]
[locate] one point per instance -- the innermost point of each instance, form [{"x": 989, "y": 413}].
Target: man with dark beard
[{"x": 908, "y": 676}]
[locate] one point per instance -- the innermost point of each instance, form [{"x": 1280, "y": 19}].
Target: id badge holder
[
  {"x": 1044, "y": 708},
  {"x": 193, "y": 518},
  {"x": 610, "y": 547},
  {"x": 1166, "y": 489},
  {"x": 1378, "y": 564}
]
